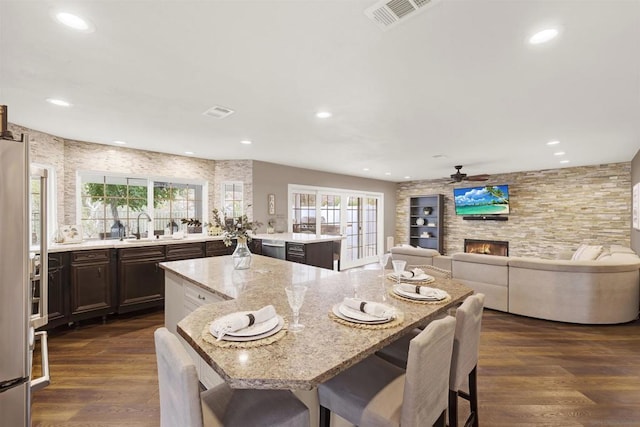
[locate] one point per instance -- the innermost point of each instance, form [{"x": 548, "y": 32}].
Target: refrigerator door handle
[{"x": 44, "y": 380}]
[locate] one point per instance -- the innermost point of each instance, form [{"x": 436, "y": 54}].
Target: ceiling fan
[{"x": 459, "y": 176}]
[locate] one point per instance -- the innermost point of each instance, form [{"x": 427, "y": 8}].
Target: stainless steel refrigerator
[{"x": 23, "y": 274}]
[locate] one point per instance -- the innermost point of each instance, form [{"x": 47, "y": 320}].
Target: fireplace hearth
[{"x": 487, "y": 247}]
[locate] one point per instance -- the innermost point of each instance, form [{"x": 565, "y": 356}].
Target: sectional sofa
[{"x": 603, "y": 290}]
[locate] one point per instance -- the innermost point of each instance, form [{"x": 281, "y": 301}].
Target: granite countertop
[
  {"x": 126, "y": 243},
  {"x": 298, "y": 237},
  {"x": 304, "y": 359}
]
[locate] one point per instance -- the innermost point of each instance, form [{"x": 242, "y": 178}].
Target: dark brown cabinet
[
  {"x": 57, "y": 290},
  {"x": 318, "y": 254},
  {"x": 140, "y": 278},
  {"x": 91, "y": 283},
  {"x": 255, "y": 246},
  {"x": 185, "y": 251},
  {"x": 217, "y": 248}
]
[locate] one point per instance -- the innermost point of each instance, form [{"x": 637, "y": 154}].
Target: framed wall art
[{"x": 271, "y": 204}]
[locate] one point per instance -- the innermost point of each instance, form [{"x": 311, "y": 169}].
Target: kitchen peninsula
[{"x": 298, "y": 361}]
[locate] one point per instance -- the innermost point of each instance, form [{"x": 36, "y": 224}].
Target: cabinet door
[
  {"x": 141, "y": 284},
  {"x": 58, "y": 300},
  {"x": 255, "y": 246},
  {"x": 91, "y": 286},
  {"x": 217, "y": 248},
  {"x": 181, "y": 251}
]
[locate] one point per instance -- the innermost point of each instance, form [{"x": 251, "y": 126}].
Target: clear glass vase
[{"x": 241, "y": 255}]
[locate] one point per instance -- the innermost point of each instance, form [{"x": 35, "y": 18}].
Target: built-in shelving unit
[{"x": 426, "y": 221}]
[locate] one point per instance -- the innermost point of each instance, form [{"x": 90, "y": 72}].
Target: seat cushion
[{"x": 349, "y": 393}]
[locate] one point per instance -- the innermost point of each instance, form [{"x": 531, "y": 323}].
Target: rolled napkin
[
  {"x": 425, "y": 291},
  {"x": 377, "y": 309},
  {"x": 410, "y": 274},
  {"x": 236, "y": 321}
]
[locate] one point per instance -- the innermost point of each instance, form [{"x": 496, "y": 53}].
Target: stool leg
[
  {"x": 473, "y": 395},
  {"x": 325, "y": 417},
  {"x": 453, "y": 408}
]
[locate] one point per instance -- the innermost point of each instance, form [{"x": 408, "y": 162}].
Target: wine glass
[
  {"x": 383, "y": 260},
  {"x": 398, "y": 268},
  {"x": 295, "y": 295},
  {"x": 354, "y": 280}
]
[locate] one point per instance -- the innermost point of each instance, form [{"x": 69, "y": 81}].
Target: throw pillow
[{"x": 586, "y": 253}]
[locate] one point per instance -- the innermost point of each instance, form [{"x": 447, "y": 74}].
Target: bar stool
[
  {"x": 182, "y": 404},
  {"x": 375, "y": 392}
]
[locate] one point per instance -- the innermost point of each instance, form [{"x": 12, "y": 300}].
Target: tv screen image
[{"x": 486, "y": 200}]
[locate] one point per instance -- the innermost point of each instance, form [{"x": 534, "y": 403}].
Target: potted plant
[{"x": 193, "y": 225}]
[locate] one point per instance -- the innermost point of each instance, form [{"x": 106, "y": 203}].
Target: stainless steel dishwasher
[{"x": 273, "y": 248}]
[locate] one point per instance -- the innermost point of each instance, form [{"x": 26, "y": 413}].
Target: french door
[{"x": 356, "y": 216}]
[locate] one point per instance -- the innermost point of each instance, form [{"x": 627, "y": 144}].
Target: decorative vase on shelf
[
  {"x": 241, "y": 255},
  {"x": 420, "y": 221},
  {"x": 427, "y": 211}
]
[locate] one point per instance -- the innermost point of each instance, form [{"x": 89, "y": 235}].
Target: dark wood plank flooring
[{"x": 531, "y": 373}]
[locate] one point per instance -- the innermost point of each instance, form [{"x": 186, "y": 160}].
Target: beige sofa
[
  {"x": 603, "y": 291},
  {"x": 600, "y": 291}
]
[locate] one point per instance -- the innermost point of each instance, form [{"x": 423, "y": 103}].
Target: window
[
  {"x": 112, "y": 206},
  {"x": 232, "y": 199}
]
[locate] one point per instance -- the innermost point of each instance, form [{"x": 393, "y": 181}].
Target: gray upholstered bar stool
[
  {"x": 376, "y": 393},
  {"x": 464, "y": 360},
  {"x": 182, "y": 404}
]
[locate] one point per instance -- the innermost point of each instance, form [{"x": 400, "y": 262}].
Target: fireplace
[{"x": 488, "y": 247}]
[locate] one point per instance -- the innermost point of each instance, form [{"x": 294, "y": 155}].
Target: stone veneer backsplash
[
  {"x": 69, "y": 156},
  {"x": 551, "y": 211}
]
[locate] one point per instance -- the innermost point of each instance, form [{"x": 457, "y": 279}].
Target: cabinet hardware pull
[
  {"x": 99, "y": 271},
  {"x": 201, "y": 297}
]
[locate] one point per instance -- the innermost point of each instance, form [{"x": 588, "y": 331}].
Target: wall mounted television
[{"x": 485, "y": 200}]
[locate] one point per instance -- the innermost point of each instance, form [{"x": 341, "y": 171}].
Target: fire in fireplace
[{"x": 487, "y": 247}]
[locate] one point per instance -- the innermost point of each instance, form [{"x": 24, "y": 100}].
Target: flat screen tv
[{"x": 485, "y": 200}]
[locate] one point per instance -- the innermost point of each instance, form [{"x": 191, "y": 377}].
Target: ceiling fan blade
[{"x": 482, "y": 177}]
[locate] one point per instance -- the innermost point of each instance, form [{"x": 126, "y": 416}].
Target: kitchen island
[{"x": 301, "y": 360}]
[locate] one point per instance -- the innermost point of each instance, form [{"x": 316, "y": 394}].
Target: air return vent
[
  {"x": 218, "y": 112},
  {"x": 387, "y": 14}
]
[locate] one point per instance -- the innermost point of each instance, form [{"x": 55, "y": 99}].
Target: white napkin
[
  {"x": 373, "y": 308},
  {"x": 410, "y": 274},
  {"x": 236, "y": 321},
  {"x": 424, "y": 291}
]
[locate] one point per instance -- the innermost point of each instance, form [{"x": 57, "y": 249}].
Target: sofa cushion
[
  {"x": 410, "y": 250},
  {"x": 614, "y": 249},
  {"x": 586, "y": 252}
]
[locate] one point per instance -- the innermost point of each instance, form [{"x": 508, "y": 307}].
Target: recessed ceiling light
[
  {"x": 407, "y": 177},
  {"x": 58, "y": 102},
  {"x": 564, "y": 161},
  {"x": 246, "y": 142},
  {"x": 543, "y": 36},
  {"x": 387, "y": 173},
  {"x": 188, "y": 152},
  {"x": 74, "y": 21},
  {"x": 555, "y": 142},
  {"x": 120, "y": 142},
  {"x": 365, "y": 169},
  {"x": 323, "y": 114},
  {"x": 559, "y": 153}
]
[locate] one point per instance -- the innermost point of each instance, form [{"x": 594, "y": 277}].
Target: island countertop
[{"x": 300, "y": 360}]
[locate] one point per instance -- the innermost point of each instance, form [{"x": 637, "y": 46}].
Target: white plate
[
  {"x": 337, "y": 311},
  {"x": 413, "y": 295},
  {"x": 256, "y": 328},
  {"x": 423, "y": 277},
  {"x": 275, "y": 330}
]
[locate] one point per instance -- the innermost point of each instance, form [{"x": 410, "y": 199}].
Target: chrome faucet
[{"x": 138, "y": 221}]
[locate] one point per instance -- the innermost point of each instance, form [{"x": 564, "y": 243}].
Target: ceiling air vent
[
  {"x": 218, "y": 112},
  {"x": 387, "y": 14}
]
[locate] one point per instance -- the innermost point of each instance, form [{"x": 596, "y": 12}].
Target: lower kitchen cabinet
[
  {"x": 140, "y": 278},
  {"x": 218, "y": 248},
  {"x": 92, "y": 283},
  {"x": 57, "y": 291},
  {"x": 318, "y": 254}
]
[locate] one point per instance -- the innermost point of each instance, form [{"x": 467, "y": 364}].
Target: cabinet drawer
[
  {"x": 195, "y": 296},
  {"x": 91, "y": 256},
  {"x": 143, "y": 252},
  {"x": 217, "y": 248},
  {"x": 185, "y": 251}
]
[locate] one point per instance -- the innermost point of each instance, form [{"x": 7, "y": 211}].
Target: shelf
[{"x": 433, "y": 221}]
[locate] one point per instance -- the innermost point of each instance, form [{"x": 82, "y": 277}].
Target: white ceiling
[{"x": 458, "y": 80}]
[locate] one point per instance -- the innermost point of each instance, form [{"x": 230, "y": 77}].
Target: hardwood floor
[{"x": 531, "y": 373}]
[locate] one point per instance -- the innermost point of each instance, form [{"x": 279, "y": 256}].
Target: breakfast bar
[{"x": 300, "y": 360}]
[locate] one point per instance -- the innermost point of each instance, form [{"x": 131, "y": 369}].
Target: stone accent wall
[
  {"x": 234, "y": 170},
  {"x": 551, "y": 211},
  {"x": 47, "y": 150},
  {"x": 85, "y": 156}
]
